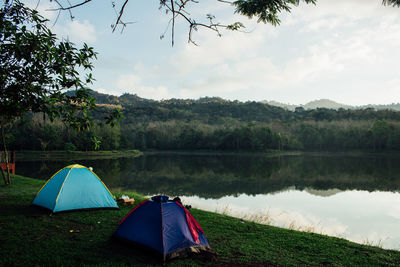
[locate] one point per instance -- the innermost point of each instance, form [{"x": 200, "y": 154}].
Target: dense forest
[{"x": 214, "y": 123}]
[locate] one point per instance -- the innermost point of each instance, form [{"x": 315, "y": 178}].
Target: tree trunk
[
  {"x": 8, "y": 179},
  {"x": 4, "y": 175}
]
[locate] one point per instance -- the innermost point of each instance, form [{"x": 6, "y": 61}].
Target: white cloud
[
  {"x": 326, "y": 68},
  {"x": 76, "y": 31},
  {"x": 43, "y": 7},
  {"x": 232, "y": 46},
  {"x": 342, "y": 50},
  {"x": 327, "y": 23},
  {"x": 158, "y": 93},
  {"x": 107, "y": 91},
  {"x": 130, "y": 83},
  {"x": 344, "y": 10}
]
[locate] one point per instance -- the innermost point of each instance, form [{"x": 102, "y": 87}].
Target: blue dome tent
[
  {"x": 72, "y": 188},
  {"x": 165, "y": 227}
]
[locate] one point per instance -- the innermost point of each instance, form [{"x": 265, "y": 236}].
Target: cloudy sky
[{"x": 343, "y": 50}]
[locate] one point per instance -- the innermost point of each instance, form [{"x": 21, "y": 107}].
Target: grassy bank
[
  {"x": 33, "y": 154},
  {"x": 32, "y": 236}
]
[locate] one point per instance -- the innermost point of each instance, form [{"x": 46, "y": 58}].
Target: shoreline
[{"x": 61, "y": 154}]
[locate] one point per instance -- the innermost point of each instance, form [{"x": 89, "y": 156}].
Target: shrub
[{"x": 69, "y": 147}]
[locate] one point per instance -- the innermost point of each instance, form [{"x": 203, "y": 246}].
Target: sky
[{"x": 343, "y": 50}]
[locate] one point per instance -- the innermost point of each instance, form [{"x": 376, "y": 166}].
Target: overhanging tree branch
[
  {"x": 62, "y": 7},
  {"x": 393, "y": 3},
  {"x": 121, "y": 12},
  {"x": 266, "y": 11}
]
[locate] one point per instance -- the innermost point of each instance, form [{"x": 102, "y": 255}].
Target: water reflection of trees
[
  {"x": 217, "y": 176},
  {"x": 108, "y": 170},
  {"x": 214, "y": 176}
]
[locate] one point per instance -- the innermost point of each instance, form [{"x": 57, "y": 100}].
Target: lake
[{"x": 354, "y": 196}]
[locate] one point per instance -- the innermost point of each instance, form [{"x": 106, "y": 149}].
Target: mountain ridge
[
  {"x": 134, "y": 99},
  {"x": 330, "y": 104}
]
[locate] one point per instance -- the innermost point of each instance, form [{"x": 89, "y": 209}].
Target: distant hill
[
  {"x": 290, "y": 107},
  {"x": 136, "y": 101},
  {"x": 215, "y": 110},
  {"x": 392, "y": 106},
  {"x": 326, "y": 103}
]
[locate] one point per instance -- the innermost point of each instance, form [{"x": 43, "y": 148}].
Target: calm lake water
[{"x": 356, "y": 197}]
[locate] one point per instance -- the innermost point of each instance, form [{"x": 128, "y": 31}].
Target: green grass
[
  {"x": 30, "y": 236},
  {"x": 34, "y": 154}
]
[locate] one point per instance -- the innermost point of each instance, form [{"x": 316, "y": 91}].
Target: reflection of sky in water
[{"x": 360, "y": 216}]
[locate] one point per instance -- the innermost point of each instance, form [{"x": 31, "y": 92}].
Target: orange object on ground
[
  {"x": 126, "y": 201},
  {"x": 11, "y": 162}
]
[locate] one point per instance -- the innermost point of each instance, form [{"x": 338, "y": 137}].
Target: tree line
[{"x": 214, "y": 124}]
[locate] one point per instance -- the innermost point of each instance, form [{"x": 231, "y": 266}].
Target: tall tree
[{"x": 36, "y": 69}]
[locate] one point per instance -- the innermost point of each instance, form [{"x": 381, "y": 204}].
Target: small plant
[
  {"x": 96, "y": 142},
  {"x": 259, "y": 217},
  {"x": 69, "y": 147},
  {"x": 378, "y": 243},
  {"x": 226, "y": 210}
]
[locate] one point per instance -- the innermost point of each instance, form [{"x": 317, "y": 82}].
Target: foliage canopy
[{"x": 37, "y": 69}]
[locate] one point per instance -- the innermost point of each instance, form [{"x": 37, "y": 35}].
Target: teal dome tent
[{"x": 72, "y": 188}]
